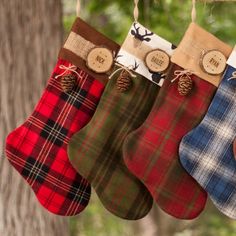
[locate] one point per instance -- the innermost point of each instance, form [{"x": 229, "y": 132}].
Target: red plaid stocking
[
  {"x": 151, "y": 152},
  {"x": 37, "y": 149},
  {"x": 234, "y": 148}
]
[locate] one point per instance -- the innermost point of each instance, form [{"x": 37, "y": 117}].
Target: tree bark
[{"x": 30, "y": 37}]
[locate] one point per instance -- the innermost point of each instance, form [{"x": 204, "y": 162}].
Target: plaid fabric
[
  {"x": 37, "y": 149},
  {"x": 234, "y": 148},
  {"x": 96, "y": 151},
  {"x": 207, "y": 151},
  {"x": 151, "y": 152}
]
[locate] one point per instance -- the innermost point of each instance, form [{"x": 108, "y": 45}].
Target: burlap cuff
[
  {"x": 80, "y": 41},
  {"x": 196, "y": 41}
]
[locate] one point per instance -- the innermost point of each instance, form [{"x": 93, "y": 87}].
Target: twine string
[
  {"x": 194, "y": 12},
  {"x": 180, "y": 73},
  {"x": 71, "y": 68},
  {"x": 121, "y": 67},
  {"x": 136, "y": 10},
  {"x": 78, "y": 6}
]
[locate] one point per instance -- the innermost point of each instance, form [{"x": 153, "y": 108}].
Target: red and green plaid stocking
[
  {"x": 151, "y": 152},
  {"x": 38, "y": 148},
  {"x": 96, "y": 151}
]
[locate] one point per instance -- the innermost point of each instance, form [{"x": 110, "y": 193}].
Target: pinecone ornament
[
  {"x": 124, "y": 82},
  {"x": 185, "y": 85},
  {"x": 68, "y": 82}
]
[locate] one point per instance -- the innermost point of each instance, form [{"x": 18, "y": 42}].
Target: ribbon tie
[
  {"x": 70, "y": 67},
  {"x": 233, "y": 76},
  {"x": 180, "y": 73},
  {"x": 121, "y": 67}
]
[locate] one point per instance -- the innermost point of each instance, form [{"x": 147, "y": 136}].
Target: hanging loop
[
  {"x": 194, "y": 12},
  {"x": 136, "y": 10},
  {"x": 78, "y": 8}
]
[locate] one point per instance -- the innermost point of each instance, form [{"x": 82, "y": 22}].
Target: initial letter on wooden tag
[
  {"x": 157, "y": 60},
  {"x": 100, "y": 60},
  {"x": 213, "y": 62}
]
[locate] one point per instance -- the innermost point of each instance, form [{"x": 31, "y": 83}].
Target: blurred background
[{"x": 31, "y": 34}]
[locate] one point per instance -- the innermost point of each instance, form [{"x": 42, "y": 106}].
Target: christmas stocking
[
  {"x": 37, "y": 149},
  {"x": 234, "y": 148},
  {"x": 207, "y": 151},
  {"x": 151, "y": 152},
  {"x": 96, "y": 151}
]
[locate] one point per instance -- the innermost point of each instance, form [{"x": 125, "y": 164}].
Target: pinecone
[
  {"x": 124, "y": 82},
  {"x": 185, "y": 85},
  {"x": 68, "y": 82}
]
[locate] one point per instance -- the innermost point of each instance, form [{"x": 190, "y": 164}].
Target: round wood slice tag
[
  {"x": 213, "y": 62},
  {"x": 100, "y": 60},
  {"x": 157, "y": 60}
]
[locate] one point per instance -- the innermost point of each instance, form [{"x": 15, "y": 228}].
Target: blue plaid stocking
[{"x": 207, "y": 151}]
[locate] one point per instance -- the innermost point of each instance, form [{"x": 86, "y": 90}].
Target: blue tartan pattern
[{"x": 207, "y": 151}]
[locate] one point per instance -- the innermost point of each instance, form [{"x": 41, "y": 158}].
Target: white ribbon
[
  {"x": 71, "y": 68},
  {"x": 121, "y": 67}
]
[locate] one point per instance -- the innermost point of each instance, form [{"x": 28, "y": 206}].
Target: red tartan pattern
[
  {"x": 151, "y": 152},
  {"x": 38, "y": 148}
]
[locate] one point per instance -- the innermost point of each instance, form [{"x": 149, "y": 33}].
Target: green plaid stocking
[{"x": 96, "y": 151}]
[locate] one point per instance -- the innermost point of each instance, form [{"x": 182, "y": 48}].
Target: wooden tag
[
  {"x": 157, "y": 60},
  {"x": 213, "y": 62},
  {"x": 100, "y": 60}
]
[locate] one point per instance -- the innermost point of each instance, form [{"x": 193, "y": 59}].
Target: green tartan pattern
[{"x": 96, "y": 151}]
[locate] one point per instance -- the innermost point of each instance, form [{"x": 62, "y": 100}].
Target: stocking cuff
[
  {"x": 80, "y": 41},
  {"x": 139, "y": 42},
  {"x": 194, "y": 44}
]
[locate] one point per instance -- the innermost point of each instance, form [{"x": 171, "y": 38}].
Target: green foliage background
[{"x": 169, "y": 19}]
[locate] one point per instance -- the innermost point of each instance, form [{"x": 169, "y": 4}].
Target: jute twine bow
[
  {"x": 121, "y": 67},
  {"x": 180, "y": 73},
  {"x": 70, "y": 67}
]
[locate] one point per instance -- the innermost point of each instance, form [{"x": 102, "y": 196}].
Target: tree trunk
[{"x": 30, "y": 37}]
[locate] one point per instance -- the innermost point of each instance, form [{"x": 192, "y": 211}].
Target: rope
[
  {"x": 78, "y": 8},
  {"x": 194, "y": 13},
  {"x": 136, "y": 11},
  {"x": 180, "y": 73},
  {"x": 71, "y": 68},
  {"x": 121, "y": 67}
]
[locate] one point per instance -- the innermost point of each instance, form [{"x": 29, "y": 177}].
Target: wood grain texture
[{"x": 31, "y": 35}]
